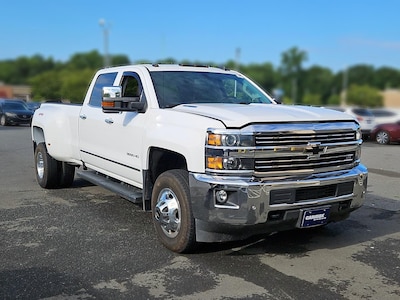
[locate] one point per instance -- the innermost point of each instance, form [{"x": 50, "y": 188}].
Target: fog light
[
  {"x": 221, "y": 196},
  {"x": 231, "y": 163},
  {"x": 361, "y": 179}
]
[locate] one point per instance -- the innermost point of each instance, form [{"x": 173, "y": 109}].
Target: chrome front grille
[
  {"x": 284, "y": 150},
  {"x": 299, "y": 149}
]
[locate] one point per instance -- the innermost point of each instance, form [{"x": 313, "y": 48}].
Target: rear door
[
  {"x": 111, "y": 142},
  {"x": 93, "y": 127}
]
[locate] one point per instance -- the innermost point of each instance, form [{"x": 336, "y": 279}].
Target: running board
[{"x": 124, "y": 190}]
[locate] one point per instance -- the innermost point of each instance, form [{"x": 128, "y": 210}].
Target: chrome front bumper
[{"x": 264, "y": 206}]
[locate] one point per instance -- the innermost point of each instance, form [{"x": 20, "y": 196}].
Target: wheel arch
[
  {"x": 37, "y": 136},
  {"x": 159, "y": 161}
]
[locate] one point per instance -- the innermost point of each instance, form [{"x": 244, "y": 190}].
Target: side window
[
  {"x": 101, "y": 81},
  {"x": 131, "y": 86}
]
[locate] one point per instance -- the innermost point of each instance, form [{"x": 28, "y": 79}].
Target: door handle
[
  {"x": 109, "y": 121},
  {"x": 83, "y": 117}
]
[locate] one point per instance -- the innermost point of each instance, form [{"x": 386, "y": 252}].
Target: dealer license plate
[{"x": 314, "y": 217}]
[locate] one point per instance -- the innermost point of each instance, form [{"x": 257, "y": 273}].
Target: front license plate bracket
[{"x": 313, "y": 217}]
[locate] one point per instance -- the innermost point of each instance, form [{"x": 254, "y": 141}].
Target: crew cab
[{"x": 208, "y": 152}]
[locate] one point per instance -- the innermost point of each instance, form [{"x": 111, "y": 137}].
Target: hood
[{"x": 239, "y": 115}]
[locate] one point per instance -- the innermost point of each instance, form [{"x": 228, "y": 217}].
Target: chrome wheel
[
  {"x": 382, "y": 137},
  {"x": 40, "y": 165},
  {"x": 45, "y": 167},
  {"x": 168, "y": 213},
  {"x": 172, "y": 211}
]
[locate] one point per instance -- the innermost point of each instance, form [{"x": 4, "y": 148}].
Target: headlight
[
  {"x": 9, "y": 114},
  {"x": 358, "y": 134},
  {"x": 229, "y": 140},
  {"x": 229, "y": 151}
]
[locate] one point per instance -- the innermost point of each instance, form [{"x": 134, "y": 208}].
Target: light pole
[{"x": 105, "y": 27}]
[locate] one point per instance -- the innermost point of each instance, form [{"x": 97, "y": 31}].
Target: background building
[{"x": 15, "y": 92}]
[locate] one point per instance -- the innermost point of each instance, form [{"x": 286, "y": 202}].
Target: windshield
[
  {"x": 14, "y": 106},
  {"x": 177, "y": 87}
]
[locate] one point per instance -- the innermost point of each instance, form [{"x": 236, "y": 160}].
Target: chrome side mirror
[{"x": 112, "y": 101}]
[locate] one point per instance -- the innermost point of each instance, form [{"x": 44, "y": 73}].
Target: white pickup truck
[{"x": 210, "y": 154}]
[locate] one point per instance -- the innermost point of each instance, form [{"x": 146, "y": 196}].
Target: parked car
[
  {"x": 386, "y": 115},
  {"x": 14, "y": 112},
  {"x": 364, "y": 116},
  {"x": 386, "y": 133},
  {"x": 33, "y": 105}
]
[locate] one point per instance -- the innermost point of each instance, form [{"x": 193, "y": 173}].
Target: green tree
[
  {"x": 120, "y": 60},
  {"x": 364, "y": 95},
  {"x": 317, "y": 80},
  {"x": 19, "y": 71},
  {"x": 291, "y": 71},
  {"x": 386, "y": 77},
  {"x": 46, "y": 86},
  {"x": 7, "y": 72},
  {"x": 361, "y": 75},
  {"x": 333, "y": 100},
  {"x": 358, "y": 74},
  {"x": 75, "y": 84},
  {"x": 312, "y": 99},
  {"x": 89, "y": 60},
  {"x": 264, "y": 75}
]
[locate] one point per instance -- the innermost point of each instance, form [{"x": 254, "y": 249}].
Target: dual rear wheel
[{"x": 51, "y": 173}]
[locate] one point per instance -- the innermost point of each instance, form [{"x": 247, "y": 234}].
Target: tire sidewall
[
  {"x": 49, "y": 178},
  {"x": 177, "y": 181},
  {"x": 66, "y": 174}
]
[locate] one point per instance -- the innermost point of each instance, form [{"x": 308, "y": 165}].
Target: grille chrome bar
[{"x": 288, "y": 138}]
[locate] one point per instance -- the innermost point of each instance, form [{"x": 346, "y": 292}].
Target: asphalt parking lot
[{"x": 87, "y": 243}]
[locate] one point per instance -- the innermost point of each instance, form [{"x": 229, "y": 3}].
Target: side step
[{"x": 126, "y": 191}]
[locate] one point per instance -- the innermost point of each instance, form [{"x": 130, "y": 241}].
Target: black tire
[
  {"x": 45, "y": 168},
  {"x": 66, "y": 174},
  {"x": 172, "y": 212},
  {"x": 382, "y": 137}
]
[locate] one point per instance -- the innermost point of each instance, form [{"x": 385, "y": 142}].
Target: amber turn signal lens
[
  {"x": 214, "y": 139},
  {"x": 214, "y": 163},
  {"x": 107, "y": 104}
]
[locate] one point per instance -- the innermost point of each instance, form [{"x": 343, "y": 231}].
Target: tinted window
[
  {"x": 383, "y": 113},
  {"x": 131, "y": 86},
  {"x": 101, "y": 81},
  {"x": 362, "y": 112},
  {"x": 14, "y": 106}
]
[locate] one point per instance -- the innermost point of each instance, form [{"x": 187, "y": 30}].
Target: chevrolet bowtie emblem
[{"x": 314, "y": 149}]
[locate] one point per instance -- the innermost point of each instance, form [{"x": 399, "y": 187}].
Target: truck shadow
[{"x": 363, "y": 225}]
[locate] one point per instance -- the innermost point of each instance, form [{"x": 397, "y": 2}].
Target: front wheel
[
  {"x": 172, "y": 212},
  {"x": 382, "y": 137}
]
